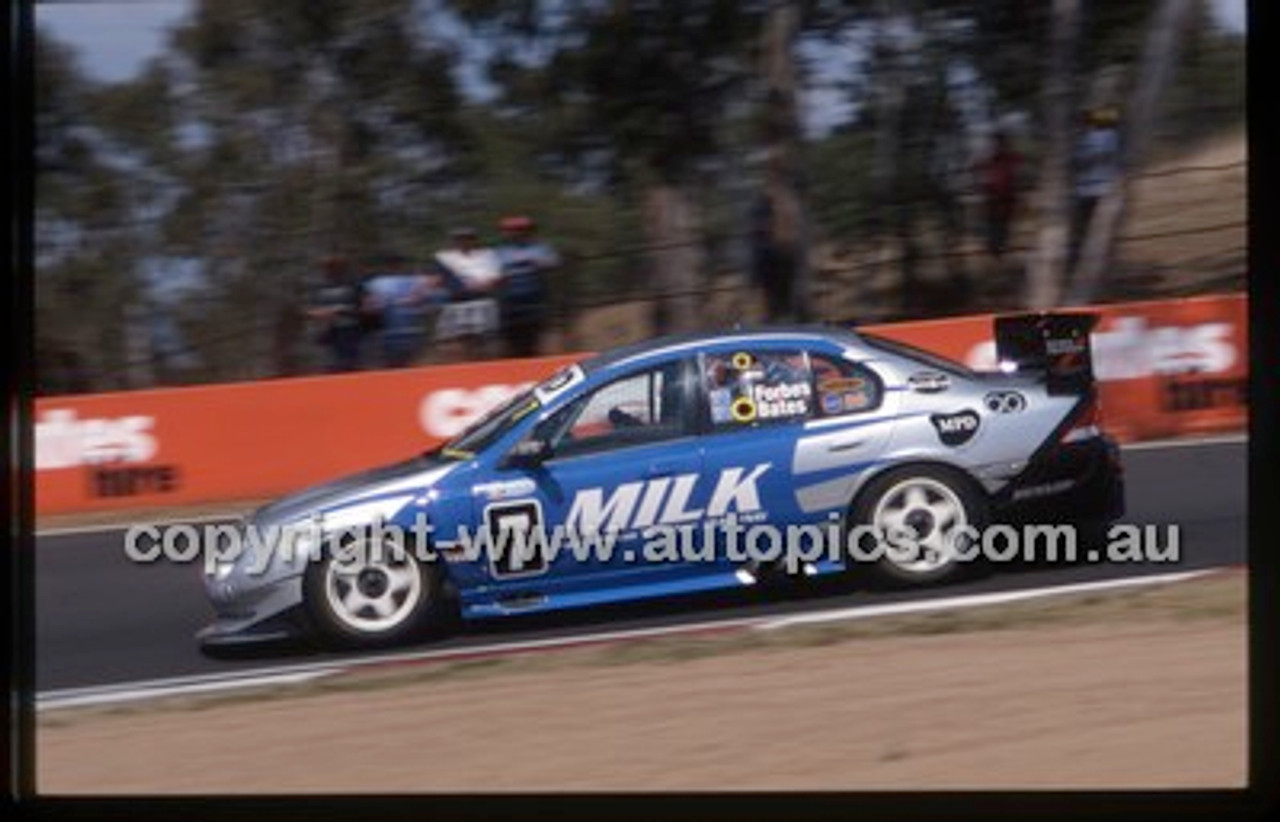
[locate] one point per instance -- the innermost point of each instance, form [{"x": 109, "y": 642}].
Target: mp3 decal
[{"x": 955, "y": 429}]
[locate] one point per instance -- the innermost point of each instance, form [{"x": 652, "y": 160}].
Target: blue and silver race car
[{"x": 774, "y": 427}]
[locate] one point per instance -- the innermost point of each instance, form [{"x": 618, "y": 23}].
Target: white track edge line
[
  {"x": 973, "y": 600},
  {"x": 144, "y": 691},
  {"x": 266, "y": 676},
  {"x": 279, "y": 675}
]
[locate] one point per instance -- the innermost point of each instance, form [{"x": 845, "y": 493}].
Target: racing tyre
[
  {"x": 375, "y": 598},
  {"x": 932, "y": 501}
]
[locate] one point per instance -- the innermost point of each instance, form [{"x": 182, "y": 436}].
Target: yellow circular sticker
[
  {"x": 743, "y": 409},
  {"x": 741, "y": 360}
]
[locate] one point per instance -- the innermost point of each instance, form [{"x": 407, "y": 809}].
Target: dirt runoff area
[{"x": 1120, "y": 690}]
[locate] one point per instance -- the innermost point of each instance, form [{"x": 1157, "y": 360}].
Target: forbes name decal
[{"x": 957, "y": 428}]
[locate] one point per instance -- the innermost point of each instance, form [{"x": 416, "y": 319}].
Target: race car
[{"x": 772, "y": 427}]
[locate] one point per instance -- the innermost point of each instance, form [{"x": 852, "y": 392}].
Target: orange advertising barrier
[
  {"x": 1166, "y": 368},
  {"x": 238, "y": 441}
]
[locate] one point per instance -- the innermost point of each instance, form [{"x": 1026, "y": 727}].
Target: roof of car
[{"x": 614, "y": 356}]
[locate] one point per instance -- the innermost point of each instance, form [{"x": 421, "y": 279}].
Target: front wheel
[
  {"x": 374, "y": 597},
  {"x": 931, "y": 505}
]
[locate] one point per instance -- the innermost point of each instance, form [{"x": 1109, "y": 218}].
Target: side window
[
  {"x": 747, "y": 388},
  {"x": 844, "y": 387},
  {"x": 636, "y": 409}
]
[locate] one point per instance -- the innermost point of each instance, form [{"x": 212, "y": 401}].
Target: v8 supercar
[{"x": 778, "y": 427}]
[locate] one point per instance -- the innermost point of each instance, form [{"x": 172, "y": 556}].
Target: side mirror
[{"x": 529, "y": 453}]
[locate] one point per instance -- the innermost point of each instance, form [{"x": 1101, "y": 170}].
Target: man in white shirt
[
  {"x": 475, "y": 271},
  {"x": 474, "y": 276}
]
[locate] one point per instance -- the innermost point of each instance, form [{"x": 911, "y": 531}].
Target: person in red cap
[{"x": 523, "y": 294}]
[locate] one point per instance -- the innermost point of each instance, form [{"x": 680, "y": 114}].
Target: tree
[
  {"x": 1158, "y": 62},
  {"x": 1046, "y": 266},
  {"x": 85, "y": 232},
  {"x": 783, "y": 180},
  {"x": 631, "y": 95},
  {"x": 319, "y": 127}
]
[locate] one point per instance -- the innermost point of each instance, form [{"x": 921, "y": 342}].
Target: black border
[
  {"x": 18, "y": 506},
  {"x": 1258, "y": 801},
  {"x": 1264, "y": 411}
]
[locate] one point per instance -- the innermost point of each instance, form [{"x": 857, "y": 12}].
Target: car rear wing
[{"x": 1055, "y": 343}]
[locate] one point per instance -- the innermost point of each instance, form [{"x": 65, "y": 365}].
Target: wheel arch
[{"x": 869, "y": 480}]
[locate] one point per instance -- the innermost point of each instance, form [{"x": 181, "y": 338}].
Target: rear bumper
[{"x": 1076, "y": 483}]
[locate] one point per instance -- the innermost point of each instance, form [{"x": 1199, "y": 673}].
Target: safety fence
[{"x": 1166, "y": 368}]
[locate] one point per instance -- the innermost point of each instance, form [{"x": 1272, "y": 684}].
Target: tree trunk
[
  {"x": 890, "y": 221},
  {"x": 676, "y": 256},
  {"x": 783, "y": 176},
  {"x": 1158, "y": 59},
  {"x": 1046, "y": 269}
]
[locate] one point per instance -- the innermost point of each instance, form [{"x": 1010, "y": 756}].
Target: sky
[{"x": 115, "y": 37}]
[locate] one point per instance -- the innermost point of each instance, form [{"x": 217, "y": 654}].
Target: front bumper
[{"x": 266, "y": 612}]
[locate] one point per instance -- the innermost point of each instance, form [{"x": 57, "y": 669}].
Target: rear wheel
[
  {"x": 930, "y": 504},
  {"x": 363, "y": 596}
]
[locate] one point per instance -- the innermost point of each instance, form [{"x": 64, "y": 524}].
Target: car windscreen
[
  {"x": 493, "y": 425},
  {"x": 490, "y": 427},
  {"x": 919, "y": 354}
]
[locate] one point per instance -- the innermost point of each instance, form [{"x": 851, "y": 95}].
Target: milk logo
[
  {"x": 63, "y": 440},
  {"x": 663, "y": 501}
]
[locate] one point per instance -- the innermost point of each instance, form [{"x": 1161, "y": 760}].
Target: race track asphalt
[{"x": 102, "y": 619}]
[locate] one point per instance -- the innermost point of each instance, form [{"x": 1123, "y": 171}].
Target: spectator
[
  {"x": 400, "y": 296},
  {"x": 337, "y": 309},
  {"x": 474, "y": 276},
  {"x": 526, "y": 261},
  {"x": 472, "y": 270},
  {"x": 999, "y": 180},
  {"x": 1097, "y": 168}
]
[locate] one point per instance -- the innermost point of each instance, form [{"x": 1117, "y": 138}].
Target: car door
[
  {"x": 620, "y": 458},
  {"x": 756, "y": 401},
  {"x": 853, "y": 419}
]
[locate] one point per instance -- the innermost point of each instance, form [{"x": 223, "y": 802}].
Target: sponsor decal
[
  {"x": 513, "y": 525},
  {"x": 132, "y": 480},
  {"x": 1044, "y": 490},
  {"x": 1005, "y": 402},
  {"x": 783, "y": 400},
  {"x": 663, "y": 501},
  {"x": 558, "y": 383},
  {"x": 1199, "y": 395},
  {"x": 955, "y": 429},
  {"x": 505, "y": 489},
  {"x": 844, "y": 394},
  {"x": 111, "y": 449},
  {"x": 62, "y": 440},
  {"x": 928, "y": 382}
]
